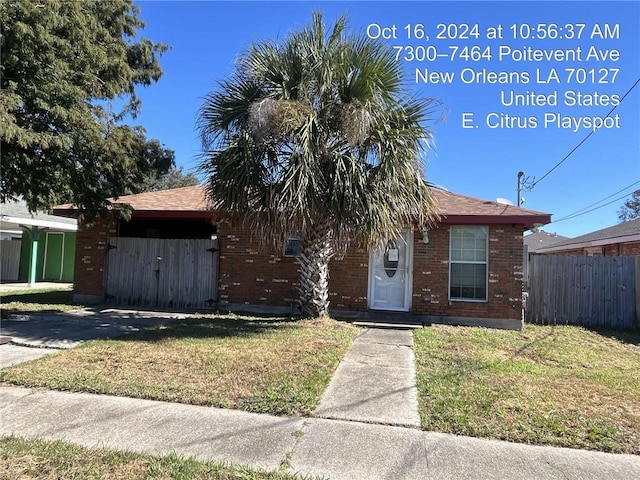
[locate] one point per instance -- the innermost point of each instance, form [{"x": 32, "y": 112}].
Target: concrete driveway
[{"x": 68, "y": 330}]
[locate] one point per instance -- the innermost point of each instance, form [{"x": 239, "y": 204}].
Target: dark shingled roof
[
  {"x": 453, "y": 208},
  {"x": 456, "y": 208},
  {"x": 541, "y": 239}
]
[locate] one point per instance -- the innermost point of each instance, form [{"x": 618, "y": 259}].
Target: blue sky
[{"x": 501, "y": 139}]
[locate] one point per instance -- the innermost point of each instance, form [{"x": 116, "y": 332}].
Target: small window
[
  {"x": 468, "y": 263},
  {"x": 292, "y": 245}
]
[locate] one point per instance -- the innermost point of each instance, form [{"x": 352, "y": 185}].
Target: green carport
[{"x": 47, "y": 247}]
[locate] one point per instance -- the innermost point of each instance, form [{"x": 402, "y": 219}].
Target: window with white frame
[{"x": 468, "y": 249}]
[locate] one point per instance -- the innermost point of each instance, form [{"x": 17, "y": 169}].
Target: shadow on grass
[
  {"x": 56, "y": 297},
  {"x": 630, "y": 336},
  {"x": 203, "y": 328},
  {"x": 625, "y": 335}
]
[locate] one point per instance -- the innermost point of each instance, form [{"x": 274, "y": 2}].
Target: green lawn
[
  {"x": 36, "y": 300},
  {"x": 553, "y": 385},
  {"x": 264, "y": 365},
  {"x": 59, "y": 460}
]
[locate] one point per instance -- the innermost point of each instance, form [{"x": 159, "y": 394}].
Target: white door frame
[{"x": 406, "y": 236}]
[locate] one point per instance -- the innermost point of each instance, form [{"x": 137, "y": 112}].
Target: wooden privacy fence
[
  {"x": 169, "y": 273},
  {"x": 10, "y": 259},
  {"x": 581, "y": 290}
]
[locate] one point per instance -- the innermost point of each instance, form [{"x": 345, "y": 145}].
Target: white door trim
[{"x": 406, "y": 236}]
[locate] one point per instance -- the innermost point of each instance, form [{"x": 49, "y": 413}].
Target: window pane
[
  {"x": 468, "y": 257},
  {"x": 468, "y": 244},
  {"x": 468, "y": 281},
  {"x": 292, "y": 247}
]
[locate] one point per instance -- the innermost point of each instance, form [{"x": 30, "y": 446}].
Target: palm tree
[{"x": 315, "y": 135}]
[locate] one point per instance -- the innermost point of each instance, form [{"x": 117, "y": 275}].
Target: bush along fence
[{"x": 579, "y": 290}]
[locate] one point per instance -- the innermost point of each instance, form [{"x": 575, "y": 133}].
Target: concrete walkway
[
  {"x": 14, "y": 354},
  {"x": 375, "y": 381},
  {"x": 332, "y": 449}
]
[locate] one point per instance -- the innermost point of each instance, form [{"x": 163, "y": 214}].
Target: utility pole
[{"x": 520, "y": 175}]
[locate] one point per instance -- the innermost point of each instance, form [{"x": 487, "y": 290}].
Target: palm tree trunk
[{"x": 314, "y": 270}]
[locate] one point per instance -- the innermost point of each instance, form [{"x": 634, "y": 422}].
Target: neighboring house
[
  {"x": 36, "y": 247},
  {"x": 540, "y": 239},
  {"x": 622, "y": 239},
  {"x": 467, "y": 269},
  {"x": 533, "y": 242}
]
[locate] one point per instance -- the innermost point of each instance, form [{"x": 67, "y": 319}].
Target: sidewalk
[{"x": 309, "y": 446}]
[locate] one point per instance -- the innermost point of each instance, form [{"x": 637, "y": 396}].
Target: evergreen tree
[
  {"x": 64, "y": 67},
  {"x": 174, "y": 178},
  {"x": 630, "y": 208}
]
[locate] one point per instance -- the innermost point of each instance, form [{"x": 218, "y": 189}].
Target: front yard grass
[
  {"x": 37, "y": 300},
  {"x": 55, "y": 460},
  {"x": 553, "y": 385},
  {"x": 260, "y": 365}
]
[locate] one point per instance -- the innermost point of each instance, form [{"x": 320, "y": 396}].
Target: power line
[
  {"x": 529, "y": 187},
  {"x": 578, "y": 212},
  {"x": 569, "y": 217}
]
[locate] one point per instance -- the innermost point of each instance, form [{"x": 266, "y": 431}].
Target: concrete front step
[{"x": 399, "y": 326}]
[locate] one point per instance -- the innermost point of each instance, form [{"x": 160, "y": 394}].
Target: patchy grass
[
  {"x": 44, "y": 460},
  {"x": 260, "y": 365},
  {"x": 554, "y": 385},
  {"x": 37, "y": 300}
]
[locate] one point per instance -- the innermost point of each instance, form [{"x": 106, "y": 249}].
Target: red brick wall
[
  {"x": 349, "y": 280},
  {"x": 91, "y": 249},
  {"x": 611, "y": 250},
  {"x": 630, "y": 249},
  {"x": 575, "y": 251},
  {"x": 431, "y": 276},
  {"x": 252, "y": 274}
]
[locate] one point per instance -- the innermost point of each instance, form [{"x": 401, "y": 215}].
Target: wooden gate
[
  {"x": 165, "y": 273},
  {"x": 582, "y": 290}
]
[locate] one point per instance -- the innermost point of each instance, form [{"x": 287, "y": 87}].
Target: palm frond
[{"x": 319, "y": 128}]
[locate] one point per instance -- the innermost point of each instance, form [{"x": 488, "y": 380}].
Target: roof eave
[
  {"x": 193, "y": 214},
  {"x": 34, "y": 222},
  {"x": 528, "y": 221},
  {"x": 591, "y": 243}
]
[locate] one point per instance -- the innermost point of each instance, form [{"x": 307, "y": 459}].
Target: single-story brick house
[
  {"x": 621, "y": 240},
  {"x": 465, "y": 270}
]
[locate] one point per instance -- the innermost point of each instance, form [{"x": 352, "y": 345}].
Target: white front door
[{"x": 390, "y": 275}]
